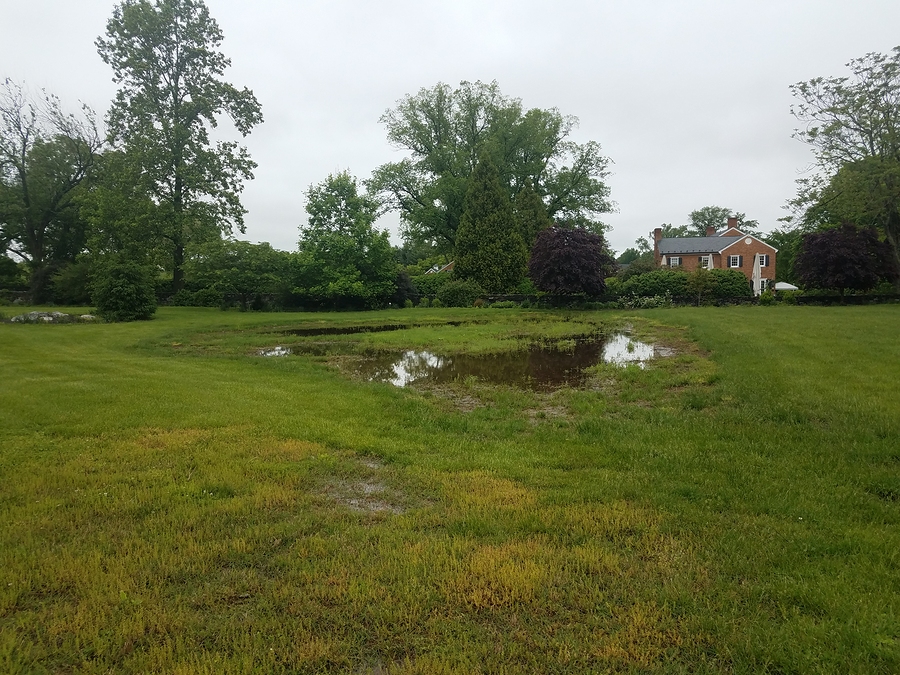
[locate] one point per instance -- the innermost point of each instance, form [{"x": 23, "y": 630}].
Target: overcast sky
[{"x": 688, "y": 98}]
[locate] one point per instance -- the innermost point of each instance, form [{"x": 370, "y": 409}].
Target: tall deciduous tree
[
  {"x": 445, "y": 131},
  {"x": 489, "y": 245},
  {"x": 166, "y": 60},
  {"x": 853, "y": 126},
  {"x": 570, "y": 260},
  {"x": 46, "y": 156}
]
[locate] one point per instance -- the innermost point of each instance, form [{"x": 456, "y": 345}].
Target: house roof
[{"x": 696, "y": 244}]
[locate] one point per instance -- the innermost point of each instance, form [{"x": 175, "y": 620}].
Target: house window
[
  {"x": 763, "y": 260},
  {"x": 734, "y": 261},
  {"x": 674, "y": 261},
  {"x": 704, "y": 261}
]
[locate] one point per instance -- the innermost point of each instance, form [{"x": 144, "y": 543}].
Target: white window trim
[
  {"x": 673, "y": 259},
  {"x": 762, "y": 259},
  {"x": 735, "y": 259}
]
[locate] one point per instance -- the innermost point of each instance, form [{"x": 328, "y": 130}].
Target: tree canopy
[
  {"x": 844, "y": 258},
  {"x": 570, "y": 260},
  {"x": 46, "y": 156},
  {"x": 717, "y": 218},
  {"x": 166, "y": 60},
  {"x": 447, "y": 130},
  {"x": 343, "y": 261},
  {"x": 853, "y": 126}
]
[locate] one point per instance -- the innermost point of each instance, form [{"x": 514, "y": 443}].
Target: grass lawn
[{"x": 172, "y": 502}]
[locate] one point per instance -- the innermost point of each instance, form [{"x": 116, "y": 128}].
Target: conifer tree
[
  {"x": 531, "y": 213},
  {"x": 489, "y": 245}
]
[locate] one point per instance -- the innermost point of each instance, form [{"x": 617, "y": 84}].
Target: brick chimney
[
  {"x": 732, "y": 222},
  {"x": 710, "y": 231},
  {"x": 657, "y": 235}
]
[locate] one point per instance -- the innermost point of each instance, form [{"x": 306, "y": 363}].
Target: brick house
[{"x": 729, "y": 249}]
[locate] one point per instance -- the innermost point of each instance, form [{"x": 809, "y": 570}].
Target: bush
[
  {"x": 788, "y": 297},
  {"x": 408, "y": 303},
  {"x": 647, "y": 301},
  {"x": 504, "y": 304},
  {"x": 208, "y": 297},
  {"x": 437, "y": 303},
  {"x": 183, "y": 298},
  {"x": 71, "y": 285},
  {"x": 729, "y": 284},
  {"x": 425, "y": 302},
  {"x": 123, "y": 290},
  {"x": 458, "y": 293},
  {"x": 766, "y": 298},
  {"x": 659, "y": 282},
  {"x": 428, "y": 285}
]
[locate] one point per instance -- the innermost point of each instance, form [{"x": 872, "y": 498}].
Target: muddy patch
[{"x": 367, "y": 493}]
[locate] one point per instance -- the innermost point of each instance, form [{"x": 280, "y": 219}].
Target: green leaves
[
  {"x": 165, "y": 57},
  {"x": 343, "y": 261},
  {"x": 489, "y": 246},
  {"x": 853, "y": 126},
  {"x": 446, "y": 131}
]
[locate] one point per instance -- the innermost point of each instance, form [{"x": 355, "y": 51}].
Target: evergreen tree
[
  {"x": 489, "y": 245},
  {"x": 531, "y": 213}
]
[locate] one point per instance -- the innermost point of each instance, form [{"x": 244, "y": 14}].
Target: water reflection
[
  {"x": 275, "y": 351},
  {"x": 538, "y": 367}
]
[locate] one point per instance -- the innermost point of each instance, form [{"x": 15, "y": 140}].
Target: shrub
[
  {"x": 183, "y": 298},
  {"x": 659, "y": 282},
  {"x": 504, "y": 304},
  {"x": 424, "y": 302},
  {"x": 766, "y": 298},
  {"x": 729, "y": 284},
  {"x": 614, "y": 286},
  {"x": 123, "y": 290},
  {"x": 71, "y": 285},
  {"x": 408, "y": 303},
  {"x": 458, "y": 293},
  {"x": 788, "y": 297},
  {"x": 428, "y": 285},
  {"x": 208, "y": 297},
  {"x": 647, "y": 301},
  {"x": 437, "y": 303}
]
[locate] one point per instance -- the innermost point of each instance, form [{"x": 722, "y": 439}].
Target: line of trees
[{"x": 500, "y": 190}]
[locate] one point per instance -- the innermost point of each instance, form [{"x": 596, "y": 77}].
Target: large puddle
[{"x": 538, "y": 367}]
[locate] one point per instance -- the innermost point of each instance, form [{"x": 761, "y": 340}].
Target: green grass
[{"x": 172, "y": 503}]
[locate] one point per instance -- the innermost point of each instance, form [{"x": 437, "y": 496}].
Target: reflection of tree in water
[
  {"x": 556, "y": 367},
  {"x": 538, "y": 367},
  {"x": 409, "y": 367}
]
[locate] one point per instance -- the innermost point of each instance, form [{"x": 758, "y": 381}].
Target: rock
[{"x": 43, "y": 317}]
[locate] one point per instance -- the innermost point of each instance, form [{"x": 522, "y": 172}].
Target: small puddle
[
  {"x": 538, "y": 367},
  {"x": 275, "y": 351}
]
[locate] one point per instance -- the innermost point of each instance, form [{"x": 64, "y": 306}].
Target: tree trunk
[{"x": 178, "y": 268}]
